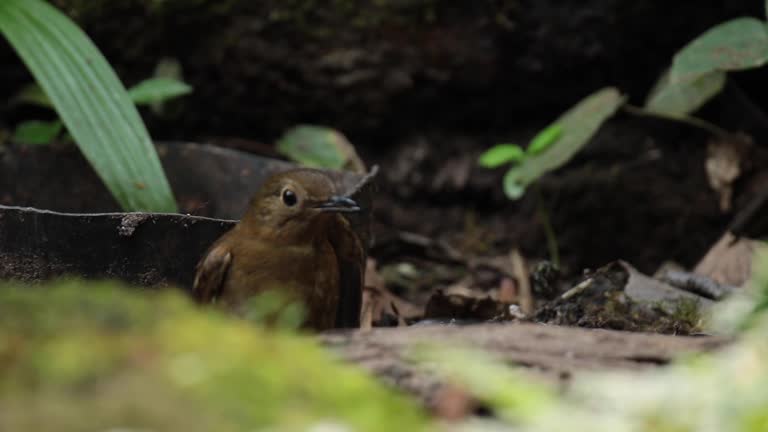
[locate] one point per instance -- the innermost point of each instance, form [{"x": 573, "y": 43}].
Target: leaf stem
[
  {"x": 687, "y": 119},
  {"x": 549, "y": 232}
]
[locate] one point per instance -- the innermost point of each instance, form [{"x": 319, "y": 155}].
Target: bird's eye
[{"x": 289, "y": 198}]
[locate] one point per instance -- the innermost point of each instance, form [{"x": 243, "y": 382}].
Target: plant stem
[
  {"x": 549, "y": 231},
  {"x": 687, "y": 119}
]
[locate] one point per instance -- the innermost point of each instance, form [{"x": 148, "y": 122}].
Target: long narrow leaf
[{"x": 91, "y": 101}]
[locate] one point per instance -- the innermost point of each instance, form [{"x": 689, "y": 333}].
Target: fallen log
[{"x": 553, "y": 353}]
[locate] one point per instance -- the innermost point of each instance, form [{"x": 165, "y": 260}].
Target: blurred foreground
[{"x": 81, "y": 355}]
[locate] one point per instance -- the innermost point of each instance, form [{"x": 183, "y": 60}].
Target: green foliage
[
  {"x": 697, "y": 74},
  {"x": 317, "y": 147},
  {"x": 37, "y": 132},
  {"x": 90, "y": 100},
  {"x": 148, "y": 92},
  {"x": 501, "y": 154},
  {"x": 564, "y": 138},
  {"x": 154, "y": 90},
  {"x": 97, "y": 356},
  {"x": 737, "y": 44},
  {"x": 544, "y": 139},
  {"x": 684, "y": 98},
  {"x": 698, "y": 70}
]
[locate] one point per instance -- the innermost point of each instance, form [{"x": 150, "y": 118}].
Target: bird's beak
[{"x": 338, "y": 204}]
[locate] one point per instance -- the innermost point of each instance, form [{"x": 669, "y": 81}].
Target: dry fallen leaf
[
  {"x": 507, "y": 290},
  {"x": 723, "y": 165},
  {"x": 378, "y": 301},
  {"x": 729, "y": 261},
  {"x": 453, "y": 403}
]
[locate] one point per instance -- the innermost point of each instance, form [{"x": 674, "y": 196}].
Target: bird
[{"x": 294, "y": 239}]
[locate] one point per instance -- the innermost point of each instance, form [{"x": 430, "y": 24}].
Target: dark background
[{"x": 423, "y": 86}]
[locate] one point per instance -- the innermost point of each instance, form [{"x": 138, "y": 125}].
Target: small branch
[{"x": 689, "y": 120}]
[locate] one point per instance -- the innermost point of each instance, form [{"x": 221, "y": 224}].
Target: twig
[{"x": 520, "y": 271}]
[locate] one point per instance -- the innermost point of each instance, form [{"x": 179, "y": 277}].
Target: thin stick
[
  {"x": 520, "y": 272},
  {"x": 364, "y": 180}
]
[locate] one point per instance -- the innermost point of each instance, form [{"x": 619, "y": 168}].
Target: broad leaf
[
  {"x": 318, "y": 147},
  {"x": 91, "y": 101},
  {"x": 738, "y": 44},
  {"x": 578, "y": 124},
  {"x": 684, "y": 98},
  {"x": 501, "y": 154},
  {"x": 154, "y": 90},
  {"x": 36, "y": 132},
  {"x": 544, "y": 139}
]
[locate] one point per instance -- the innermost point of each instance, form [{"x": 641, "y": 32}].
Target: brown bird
[{"x": 293, "y": 239}]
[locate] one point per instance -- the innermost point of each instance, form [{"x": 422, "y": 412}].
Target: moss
[{"x": 94, "y": 356}]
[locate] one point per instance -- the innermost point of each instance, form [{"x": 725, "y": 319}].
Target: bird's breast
[{"x": 304, "y": 272}]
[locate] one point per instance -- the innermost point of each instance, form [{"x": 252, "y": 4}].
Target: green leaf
[
  {"x": 578, "y": 124},
  {"x": 737, "y": 44},
  {"x": 34, "y": 95},
  {"x": 501, "y": 154},
  {"x": 316, "y": 147},
  {"x": 91, "y": 101},
  {"x": 155, "y": 90},
  {"x": 544, "y": 139},
  {"x": 684, "y": 98},
  {"x": 514, "y": 187},
  {"x": 150, "y": 91},
  {"x": 36, "y": 132}
]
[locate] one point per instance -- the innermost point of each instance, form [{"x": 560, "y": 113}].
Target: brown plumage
[{"x": 293, "y": 239}]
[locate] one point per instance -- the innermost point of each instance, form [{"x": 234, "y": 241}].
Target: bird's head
[{"x": 294, "y": 201}]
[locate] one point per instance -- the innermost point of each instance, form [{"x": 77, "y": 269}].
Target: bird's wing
[
  {"x": 211, "y": 272},
  {"x": 351, "y": 256}
]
